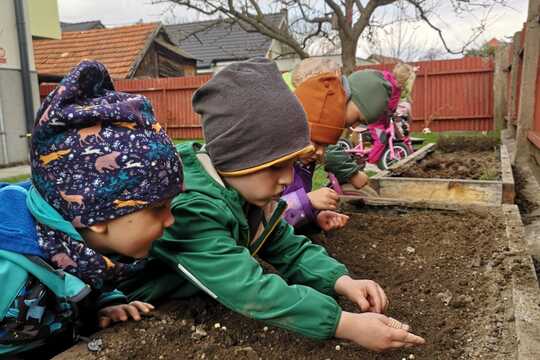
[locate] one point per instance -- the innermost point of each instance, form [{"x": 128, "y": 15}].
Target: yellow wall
[{"x": 44, "y": 19}]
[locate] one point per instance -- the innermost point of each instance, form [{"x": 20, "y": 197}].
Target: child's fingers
[
  {"x": 363, "y": 304},
  {"x": 115, "y": 313},
  {"x": 142, "y": 306},
  {"x": 407, "y": 337},
  {"x": 376, "y": 301},
  {"x": 343, "y": 219},
  {"x": 332, "y": 205},
  {"x": 333, "y": 195},
  {"x": 133, "y": 312},
  {"x": 384, "y": 298}
]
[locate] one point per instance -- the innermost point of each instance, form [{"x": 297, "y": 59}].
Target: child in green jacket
[{"x": 230, "y": 212}]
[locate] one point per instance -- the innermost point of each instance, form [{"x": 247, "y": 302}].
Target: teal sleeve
[{"x": 110, "y": 298}]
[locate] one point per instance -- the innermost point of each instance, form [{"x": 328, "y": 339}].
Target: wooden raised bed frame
[{"x": 460, "y": 191}]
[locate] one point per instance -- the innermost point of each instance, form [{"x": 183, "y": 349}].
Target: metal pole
[
  {"x": 3, "y": 134},
  {"x": 25, "y": 65}
]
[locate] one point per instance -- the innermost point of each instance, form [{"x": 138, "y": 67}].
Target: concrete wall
[
  {"x": 12, "y": 114},
  {"x": 13, "y": 148}
]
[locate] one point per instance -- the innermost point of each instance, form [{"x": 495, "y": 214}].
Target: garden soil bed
[
  {"x": 448, "y": 274},
  {"x": 474, "y": 158}
]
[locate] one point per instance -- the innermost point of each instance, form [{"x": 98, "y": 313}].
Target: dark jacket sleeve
[{"x": 341, "y": 164}]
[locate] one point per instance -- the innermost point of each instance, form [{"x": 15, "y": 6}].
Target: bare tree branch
[{"x": 341, "y": 22}]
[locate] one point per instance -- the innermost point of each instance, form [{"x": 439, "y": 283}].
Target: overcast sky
[{"x": 503, "y": 22}]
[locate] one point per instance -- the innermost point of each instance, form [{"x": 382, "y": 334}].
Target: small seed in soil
[
  {"x": 410, "y": 250},
  {"x": 338, "y": 347},
  {"x": 224, "y": 328},
  {"x": 217, "y": 325},
  {"x": 199, "y": 333},
  {"x": 265, "y": 329},
  {"x": 411, "y": 357},
  {"x": 445, "y": 297}
]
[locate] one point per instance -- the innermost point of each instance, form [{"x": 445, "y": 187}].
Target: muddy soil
[
  {"x": 447, "y": 275},
  {"x": 525, "y": 205},
  {"x": 474, "y": 158}
]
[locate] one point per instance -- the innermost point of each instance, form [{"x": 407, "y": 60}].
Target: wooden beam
[
  {"x": 525, "y": 290},
  {"x": 499, "y": 87},
  {"x": 508, "y": 186},
  {"x": 528, "y": 92}
]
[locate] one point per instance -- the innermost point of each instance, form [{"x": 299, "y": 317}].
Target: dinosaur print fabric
[{"x": 97, "y": 154}]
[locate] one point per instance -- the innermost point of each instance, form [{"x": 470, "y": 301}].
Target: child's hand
[
  {"x": 324, "y": 199},
  {"x": 115, "y": 313},
  {"x": 367, "y": 294},
  {"x": 359, "y": 180},
  {"x": 376, "y": 332},
  {"x": 331, "y": 220}
]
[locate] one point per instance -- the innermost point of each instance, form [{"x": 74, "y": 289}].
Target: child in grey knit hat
[{"x": 230, "y": 215}]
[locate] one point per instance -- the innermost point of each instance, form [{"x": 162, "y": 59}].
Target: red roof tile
[{"x": 118, "y": 48}]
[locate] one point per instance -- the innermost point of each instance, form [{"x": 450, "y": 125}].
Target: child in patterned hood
[{"x": 103, "y": 175}]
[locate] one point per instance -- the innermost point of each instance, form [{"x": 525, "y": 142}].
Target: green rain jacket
[{"x": 210, "y": 248}]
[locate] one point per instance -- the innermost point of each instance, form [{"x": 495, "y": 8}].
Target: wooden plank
[
  {"x": 450, "y": 190},
  {"x": 526, "y": 293},
  {"x": 446, "y": 190},
  {"x": 435, "y": 205},
  {"x": 417, "y": 154},
  {"x": 508, "y": 185}
]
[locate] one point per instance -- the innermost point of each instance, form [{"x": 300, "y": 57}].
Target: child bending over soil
[
  {"x": 230, "y": 216},
  {"x": 103, "y": 175}
]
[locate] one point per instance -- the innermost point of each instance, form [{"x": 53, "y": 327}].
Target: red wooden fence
[
  {"x": 171, "y": 99},
  {"x": 451, "y": 95},
  {"x": 447, "y": 95}
]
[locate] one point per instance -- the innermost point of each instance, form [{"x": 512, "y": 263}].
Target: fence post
[
  {"x": 499, "y": 87},
  {"x": 514, "y": 83},
  {"x": 528, "y": 91},
  {"x": 427, "y": 123}
]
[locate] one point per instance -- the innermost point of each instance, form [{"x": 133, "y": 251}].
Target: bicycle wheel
[
  {"x": 344, "y": 144},
  {"x": 409, "y": 151},
  {"x": 400, "y": 152}
]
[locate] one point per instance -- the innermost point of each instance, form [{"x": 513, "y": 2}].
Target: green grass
[
  {"x": 181, "y": 141},
  {"x": 320, "y": 178},
  {"x": 15, "y": 179},
  {"x": 432, "y": 137}
]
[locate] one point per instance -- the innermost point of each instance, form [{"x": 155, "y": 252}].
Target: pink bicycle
[{"x": 394, "y": 144}]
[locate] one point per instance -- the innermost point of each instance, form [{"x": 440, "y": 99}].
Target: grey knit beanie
[{"x": 250, "y": 118}]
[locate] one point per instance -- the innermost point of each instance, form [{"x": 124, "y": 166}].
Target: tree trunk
[{"x": 348, "y": 55}]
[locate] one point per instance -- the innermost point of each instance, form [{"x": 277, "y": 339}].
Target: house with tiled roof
[
  {"x": 217, "y": 43},
  {"x": 135, "y": 51},
  {"x": 81, "y": 26}
]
